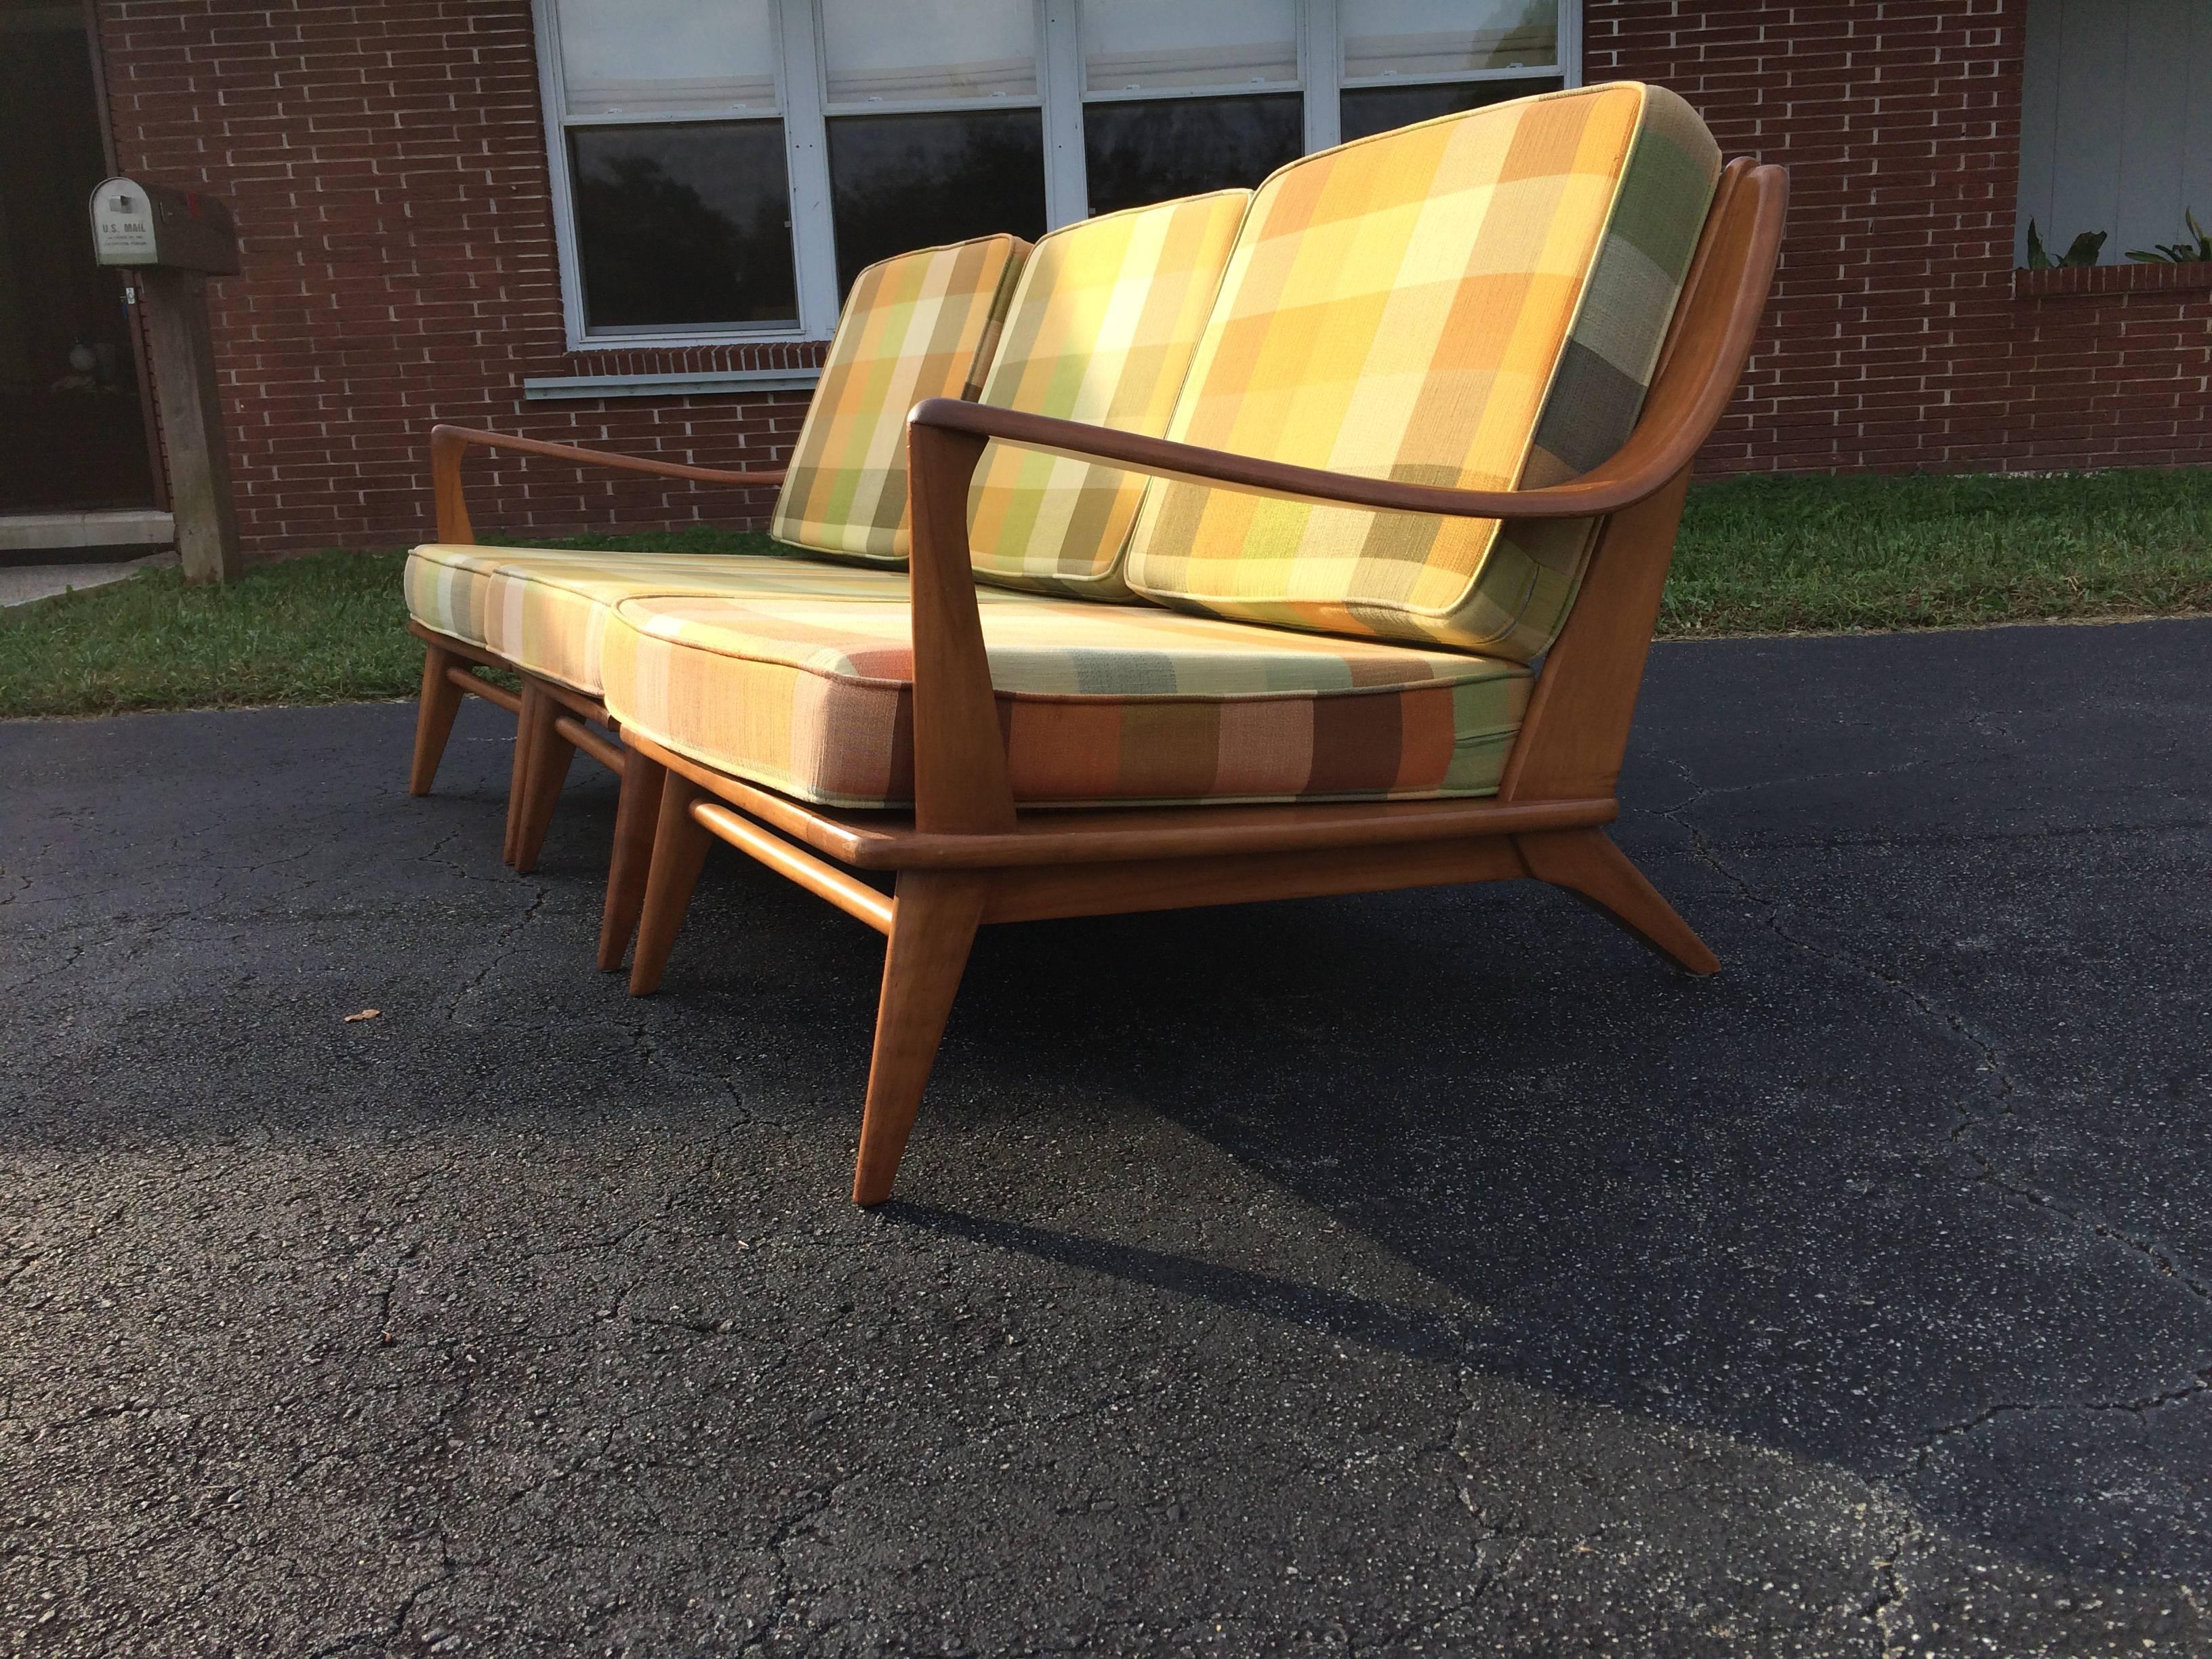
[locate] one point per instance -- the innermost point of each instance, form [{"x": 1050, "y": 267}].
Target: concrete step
[{"x": 65, "y": 532}]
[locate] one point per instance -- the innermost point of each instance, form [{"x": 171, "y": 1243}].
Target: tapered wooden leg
[
  {"x": 546, "y": 759},
  {"x": 517, "y": 778},
  {"x": 1588, "y": 865},
  {"x": 636, "y": 818},
  {"x": 434, "y": 717},
  {"x": 934, "y": 920},
  {"x": 679, "y": 849}
]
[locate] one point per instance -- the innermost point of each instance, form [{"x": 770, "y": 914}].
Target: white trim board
[{"x": 704, "y": 383}]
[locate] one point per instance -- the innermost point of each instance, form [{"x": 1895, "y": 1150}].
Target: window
[
  {"x": 679, "y": 197},
  {"x": 724, "y": 168},
  {"x": 1411, "y": 60},
  {"x": 2114, "y": 134},
  {"x": 1179, "y": 98},
  {"x": 935, "y": 122}
]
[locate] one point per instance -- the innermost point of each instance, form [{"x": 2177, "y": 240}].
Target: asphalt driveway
[{"x": 1430, "y": 1272}]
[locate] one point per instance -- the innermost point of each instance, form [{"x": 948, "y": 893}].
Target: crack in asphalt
[
  {"x": 777, "y": 1548},
  {"x": 1925, "y": 1453},
  {"x": 448, "y": 1572},
  {"x": 649, "y": 1048},
  {"x": 1886, "y": 1602},
  {"x": 502, "y": 948},
  {"x": 1964, "y": 838}
]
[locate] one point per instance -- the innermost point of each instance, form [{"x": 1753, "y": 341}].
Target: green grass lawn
[
  {"x": 1776, "y": 556},
  {"x": 1758, "y": 555}
]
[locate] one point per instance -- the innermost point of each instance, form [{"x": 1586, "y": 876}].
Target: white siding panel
[
  {"x": 2116, "y": 121},
  {"x": 2153, "y": 126},
  {"x": 2039, "y": 120},
  {"x": 2197, "y": 153},
  {"x": 2092, "y": 73}
]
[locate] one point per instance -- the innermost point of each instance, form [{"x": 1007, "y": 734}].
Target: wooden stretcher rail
[
  {"x": 609, "y": 755},
  {"x": 854, "y": 897},
  {"x": 474, "y": 683}
]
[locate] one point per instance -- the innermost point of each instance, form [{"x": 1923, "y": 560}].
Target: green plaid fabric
[
  {"x": 922, "y": 326},
  {"x": 1101, "y": 330}
]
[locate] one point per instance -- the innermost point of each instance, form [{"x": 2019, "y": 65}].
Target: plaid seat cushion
[
  {"x": 922, "y": 326},
  {"x": 1099, "y": 703},
  {"x": 1101, "y": 328},
  {"x": 1477, "y": 302},
  {"x": 545, "y": 609}
]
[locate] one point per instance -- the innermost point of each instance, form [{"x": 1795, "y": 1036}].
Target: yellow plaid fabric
[
  {"x": 922, "y": 326},
  {"x": 1101, "y": 327},
  {"x": 545, "y": 608},
  {"x": 1477, "y": 302},
  {"x": 1098, "y": 702}
]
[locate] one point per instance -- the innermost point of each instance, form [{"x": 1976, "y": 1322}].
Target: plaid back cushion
[
  {"x": 921, "y": 325},
  {"x": 1478, "y": 301},
  {"x": 1102, "y": 328}
]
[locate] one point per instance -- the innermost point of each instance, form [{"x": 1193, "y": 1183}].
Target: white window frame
[{"x": 805, "y": 112}]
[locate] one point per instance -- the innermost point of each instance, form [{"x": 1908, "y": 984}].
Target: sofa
[{"x": 1298, "y": 541}]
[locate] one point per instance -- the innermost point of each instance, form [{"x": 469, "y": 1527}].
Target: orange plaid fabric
[
  {"x": 1123, "y": 703},
  {"x": 1478, "y": 301}
]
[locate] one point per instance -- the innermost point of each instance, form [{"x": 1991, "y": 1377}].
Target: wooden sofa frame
[
  {"x": 966, "y": 855},
  {"x": 553, "y": 721}
]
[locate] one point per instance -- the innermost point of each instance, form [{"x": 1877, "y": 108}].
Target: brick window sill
[
  {"x": 720, "y": 370},
  {"x": 2090, "y": 281}
]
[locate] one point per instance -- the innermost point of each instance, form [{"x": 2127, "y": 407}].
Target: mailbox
[
  {"x": 169, "y": 242},
  {"x": 140, "y": 224}
]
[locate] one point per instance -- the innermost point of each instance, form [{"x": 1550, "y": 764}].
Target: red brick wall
[
  {"x": 386, "y": 161},
  {"x": 1896, "y": 340}
]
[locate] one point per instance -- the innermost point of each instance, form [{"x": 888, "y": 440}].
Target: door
[{"x": 73, "y": 426}]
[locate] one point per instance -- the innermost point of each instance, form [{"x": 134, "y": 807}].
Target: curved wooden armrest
[
  {"x": 449, "y": 443},
  {"x": 1609, "y": 487}
]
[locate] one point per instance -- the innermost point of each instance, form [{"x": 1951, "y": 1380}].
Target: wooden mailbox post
[{"x": 174, "y": 240}]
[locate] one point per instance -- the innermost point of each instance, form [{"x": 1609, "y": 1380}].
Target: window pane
[
  {"x": 928, "y": 49},
  {"x": 683, "y": 226},
  {"x": 1150, "y": 45},
  {"x": 1150, "y": 150},
  {"x": 1443, "y": 37},
  {"x": 901, "y": 182},
  {"x": 667, "y": 57},
  {"x": 1378, "y": 109}
]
